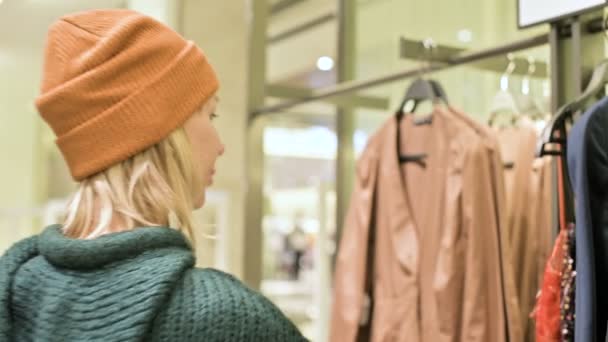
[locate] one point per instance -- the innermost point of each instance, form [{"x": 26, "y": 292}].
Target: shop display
[
  {"x": 527, "y": 182},
  {"x": 451, "y": 223},
  {"x": 443, "y": 233},
  {"x": 476, "y": 210}
]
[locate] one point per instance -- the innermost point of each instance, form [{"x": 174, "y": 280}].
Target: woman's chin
[{"x": 199, "y": 202}]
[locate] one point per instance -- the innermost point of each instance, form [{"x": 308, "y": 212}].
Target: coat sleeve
[{"x": 349, "y": 278}]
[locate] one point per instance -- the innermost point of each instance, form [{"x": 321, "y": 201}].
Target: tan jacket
[
  {"x": 509, "y": 270},
  {"x": 528, "y": 185},
  {"x": 437, "y": 271},
  {"x": 546, "y": 221}
]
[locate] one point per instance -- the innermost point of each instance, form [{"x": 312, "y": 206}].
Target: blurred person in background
[
  {"x": 131, "y": 103},
  {"x": 297, "y": 242}
]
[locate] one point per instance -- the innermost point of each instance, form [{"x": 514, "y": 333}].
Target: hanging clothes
[
  {"x": 588, "y": 168},
  {"x": 568, "y": 287},
  {"x": 529, "y": 218},
  {"x": 543, "y": 179},
  {"x": 544, "y": 227},
  {"x": 438, "y": 268},
  {"x": 514, "y": 327},
  {"x": 548, "y": 311}
]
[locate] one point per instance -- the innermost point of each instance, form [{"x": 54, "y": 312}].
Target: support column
[
  {"x": 572, "y": 62},
  {"x": 254, "y": 234},
  {"x": 345, "y": 118},
  {"x": 573, "y": 59},
  {"x": 558, "y": 75},
  {"x": 592, "y": 50}
]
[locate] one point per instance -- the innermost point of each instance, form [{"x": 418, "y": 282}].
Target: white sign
[{"x": 532, "y": 12}]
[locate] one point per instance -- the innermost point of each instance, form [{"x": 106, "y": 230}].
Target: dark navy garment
[{"x": 588, "y": 168}]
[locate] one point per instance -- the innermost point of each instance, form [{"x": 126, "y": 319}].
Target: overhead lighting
[
  {"x": 465, "y": 35},
  {"x": 325, "y": 63}
]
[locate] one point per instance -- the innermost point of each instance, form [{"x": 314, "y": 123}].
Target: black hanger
[
  {"x": 550, "y": 134},
  {"x": 419, "y": 91},
  {"x": 439, "y": 92},
  {"x": 556, "y": 131},
  {"x": 422, "y": 90}
]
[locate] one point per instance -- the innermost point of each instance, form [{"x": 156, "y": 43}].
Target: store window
[{"x": 299, "y": 220}]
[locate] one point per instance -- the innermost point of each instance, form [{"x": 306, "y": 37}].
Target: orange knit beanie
[{"x": 116, "y": 82}]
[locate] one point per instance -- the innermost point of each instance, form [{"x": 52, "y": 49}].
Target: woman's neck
[{"x": 117, "y": 224}]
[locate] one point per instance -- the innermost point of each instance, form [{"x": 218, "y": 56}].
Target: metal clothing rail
[
  {"x": 304, "y": 27},
  {"x": 352, "y": 86}
]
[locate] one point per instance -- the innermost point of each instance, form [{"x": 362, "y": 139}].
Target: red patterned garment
[
  {"x": 568, "y": 287},
  {"x": 548, "y": 311}
]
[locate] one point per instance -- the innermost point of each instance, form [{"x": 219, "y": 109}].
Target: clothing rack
[
  {"x": 430, "y": 51},
  {"x": 568, "y": 65},
  {"x": 593, "y": 26}
]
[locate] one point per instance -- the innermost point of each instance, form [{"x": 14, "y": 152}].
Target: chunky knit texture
[
  {"x": 138, "y": 285},
  {"x": 116, "y": 82}
]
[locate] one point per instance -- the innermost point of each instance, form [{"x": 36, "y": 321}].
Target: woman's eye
[{"x": 213, "y": 116}]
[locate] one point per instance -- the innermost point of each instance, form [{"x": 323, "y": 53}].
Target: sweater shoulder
[
  {"x": 217, "y": 306},
  {"x": 19, "y": 252},
  {"x": 10, "y": 262}
]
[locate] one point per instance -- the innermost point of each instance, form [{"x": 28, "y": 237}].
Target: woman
[{"x": 131, "y": 103}]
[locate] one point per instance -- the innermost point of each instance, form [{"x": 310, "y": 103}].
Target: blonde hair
[{"x": 153, "y": 188}]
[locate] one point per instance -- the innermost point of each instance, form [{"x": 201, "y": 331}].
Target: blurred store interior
[{"x": 274, "y": 215}]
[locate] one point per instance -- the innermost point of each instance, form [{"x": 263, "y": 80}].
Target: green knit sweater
[{"x": 139, "y": 285}]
